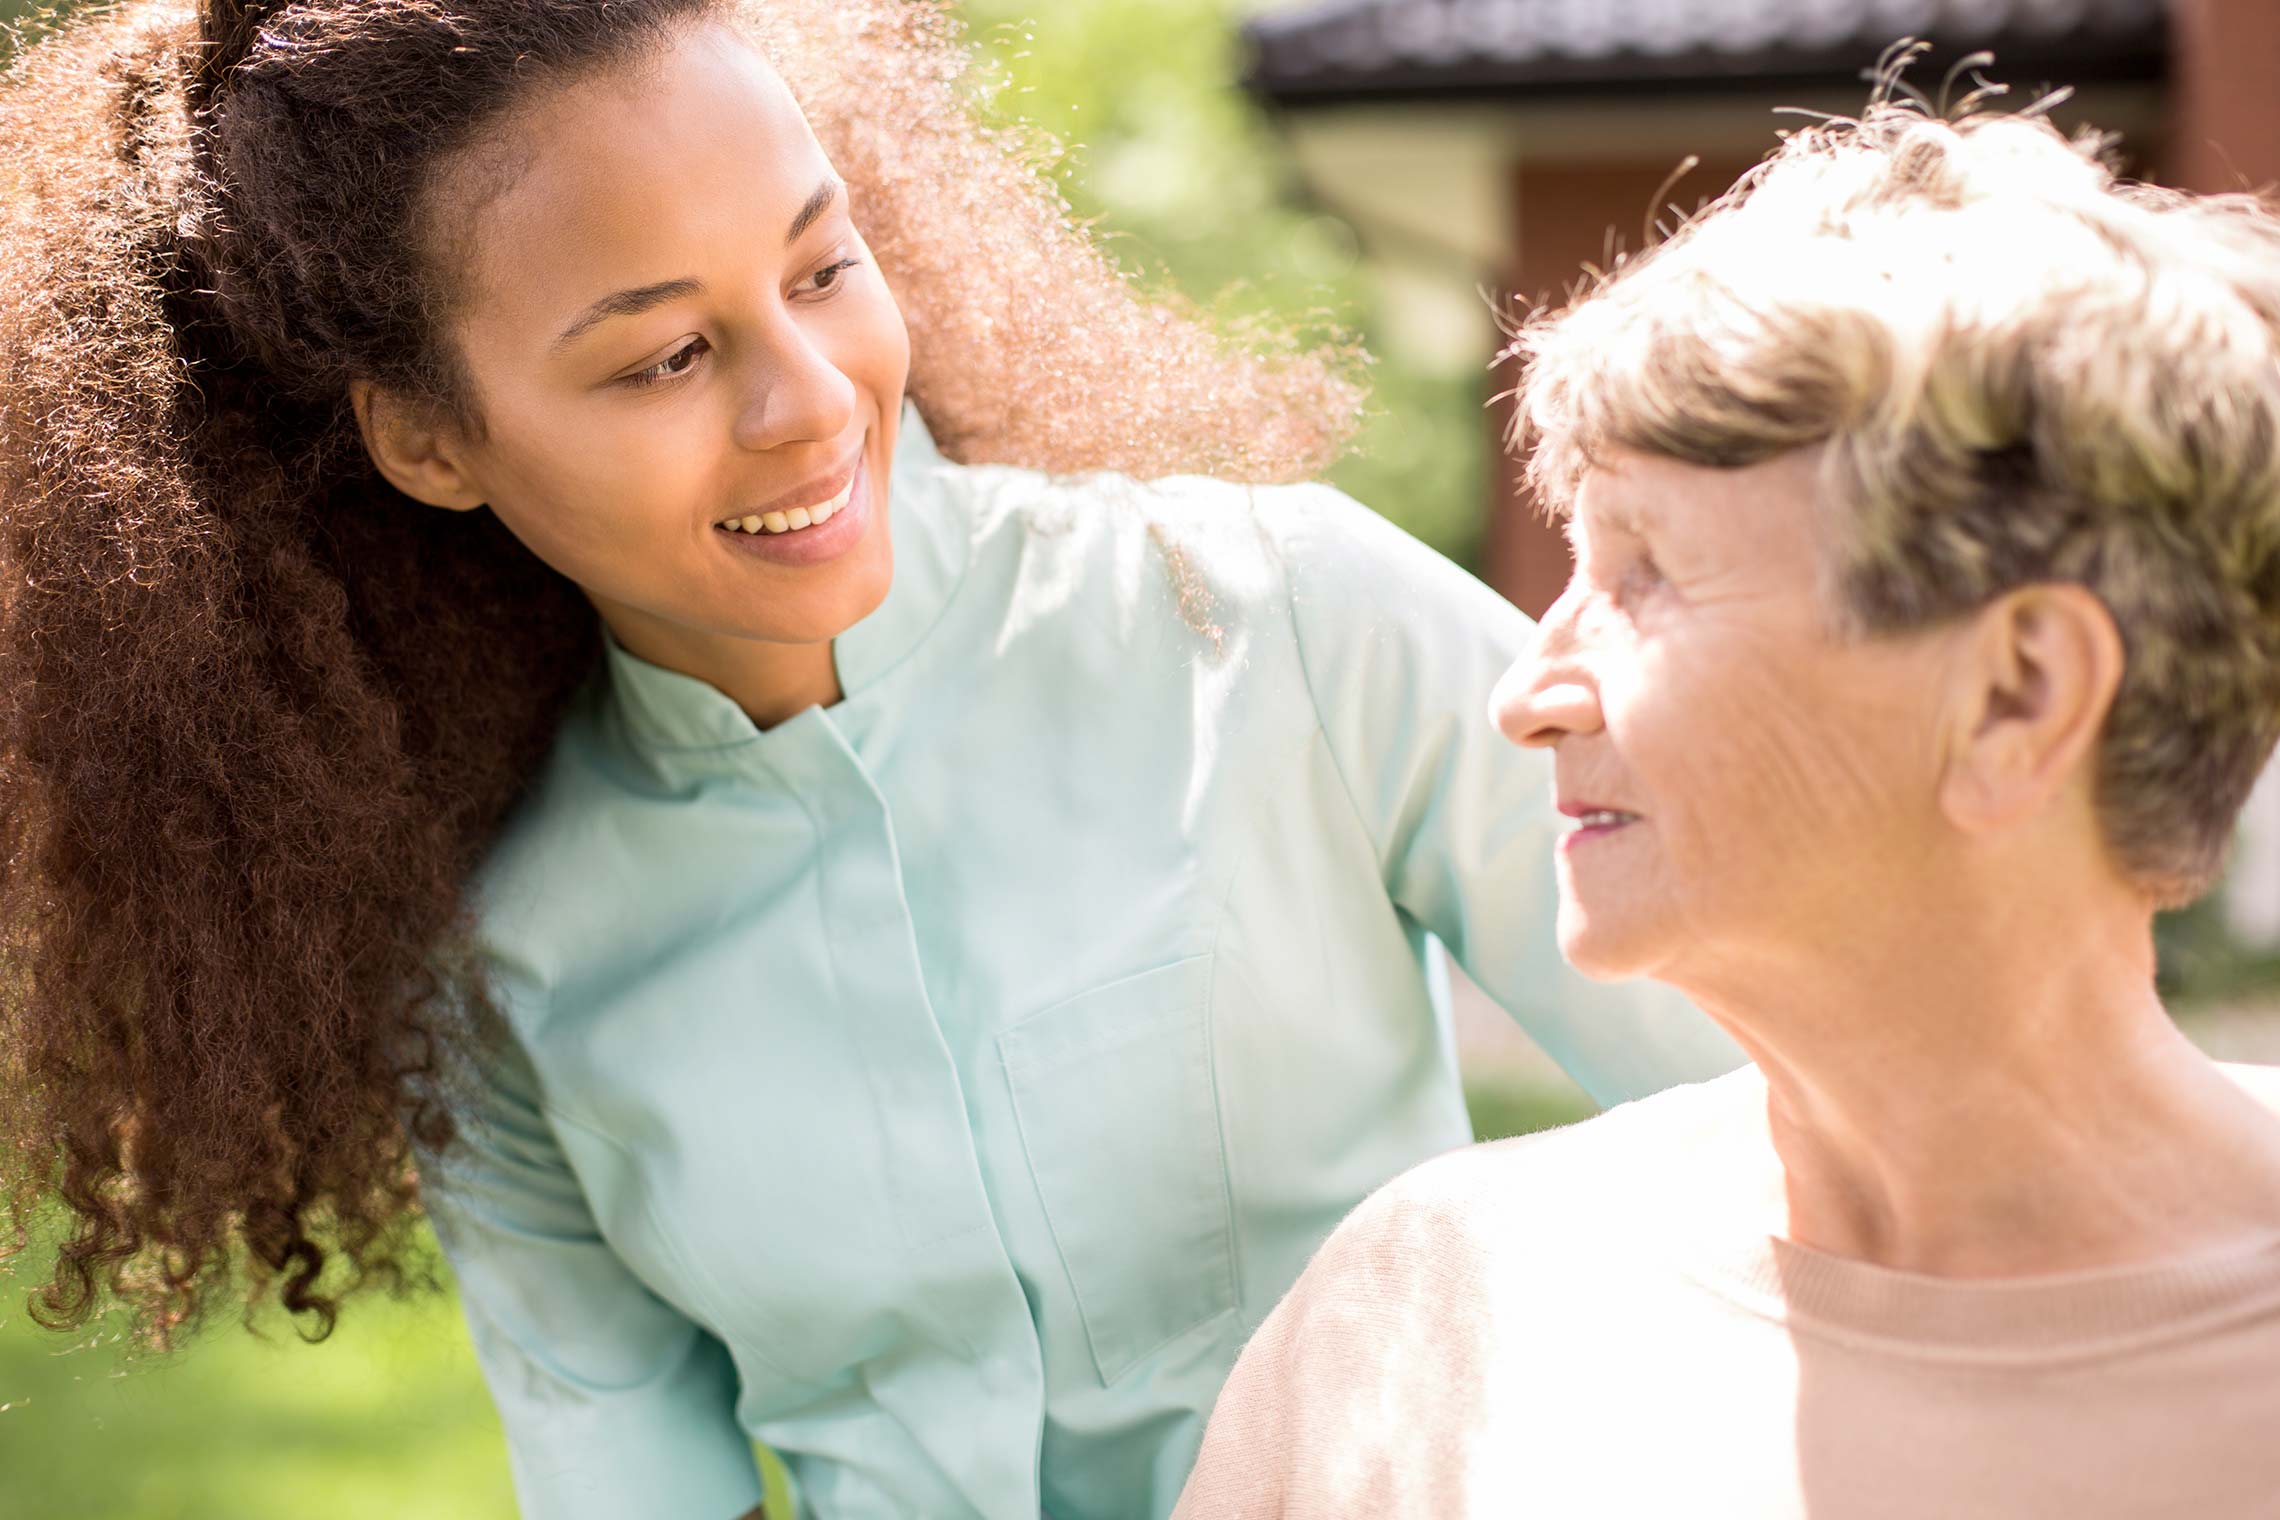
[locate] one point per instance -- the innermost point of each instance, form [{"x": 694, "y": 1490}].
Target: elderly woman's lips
[{"x": 1595, "y": 823}]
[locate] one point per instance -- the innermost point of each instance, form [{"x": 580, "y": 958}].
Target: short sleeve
[
  {"x": 614, "y": 1403},
  {"x": 1401, "y": 649}
]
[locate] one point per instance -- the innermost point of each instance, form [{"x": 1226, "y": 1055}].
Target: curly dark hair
[{"x": 260, "y": 715}]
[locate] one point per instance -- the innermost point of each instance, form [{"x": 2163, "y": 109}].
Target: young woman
[{"x": 897, "y": 958}]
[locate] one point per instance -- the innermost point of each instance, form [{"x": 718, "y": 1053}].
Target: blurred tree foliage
[{"x": 1193, "y": 189}]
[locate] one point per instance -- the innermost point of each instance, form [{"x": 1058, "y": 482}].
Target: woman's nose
[
  {"x": 1543, "y": 698},
  {"x": 799, "y": 396},
  {"x": 1539, "y": 715}
]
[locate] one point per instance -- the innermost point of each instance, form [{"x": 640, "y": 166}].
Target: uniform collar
[{"x": 663, "y": 709}]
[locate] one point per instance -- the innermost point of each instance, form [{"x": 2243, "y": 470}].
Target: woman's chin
[
  {"x": 816, "y": 606},
  {"x": 1602, "y": 946}
]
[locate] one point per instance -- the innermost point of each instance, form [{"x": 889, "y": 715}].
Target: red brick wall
[{"x": 2224, "y": 95}]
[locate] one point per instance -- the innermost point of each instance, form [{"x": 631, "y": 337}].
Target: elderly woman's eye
[{"x": 1641, "y": 575}]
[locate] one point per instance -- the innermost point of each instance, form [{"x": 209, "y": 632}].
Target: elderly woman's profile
[{"x": 1924, "y": 641}]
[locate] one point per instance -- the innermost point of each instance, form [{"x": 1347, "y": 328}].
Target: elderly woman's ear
[{"x": 2034, "y": 677}]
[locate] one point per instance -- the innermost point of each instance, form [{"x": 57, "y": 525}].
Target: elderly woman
[{"x": 1924, "y": 640}]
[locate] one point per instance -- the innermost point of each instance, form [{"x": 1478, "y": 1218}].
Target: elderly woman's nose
[
  {"x": 1538, "y": 705},
  {"x": 1546, "y": 696}
]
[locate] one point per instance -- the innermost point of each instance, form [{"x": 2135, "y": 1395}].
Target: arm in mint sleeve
[
  {"x": 1401, "y": 649},
  {"x": 614, "y": 1404}
]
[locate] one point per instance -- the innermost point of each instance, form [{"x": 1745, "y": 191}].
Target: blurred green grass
[
  {"x": 387, "y": 1420},
  {"x": 1522, "y": 1108}
]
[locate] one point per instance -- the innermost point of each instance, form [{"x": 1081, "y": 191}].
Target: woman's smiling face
[{"x": 673, "y": 335}]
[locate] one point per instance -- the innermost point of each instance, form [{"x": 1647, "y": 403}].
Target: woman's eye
[
  {"x": 675, "y": 364},
  {"x": 1641, "y": 575},
  {"x": 827, "y": 278}
]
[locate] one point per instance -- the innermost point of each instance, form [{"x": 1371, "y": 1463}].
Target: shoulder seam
[{"x": 1314, "y": 705}]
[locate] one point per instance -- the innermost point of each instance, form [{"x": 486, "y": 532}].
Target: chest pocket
[{"x": 1119, "y": 1113}]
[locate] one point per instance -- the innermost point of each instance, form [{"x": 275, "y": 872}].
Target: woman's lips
[
  {"x": 1585, "y": 833},
  {"x": 1593, "y": 823},
  {"x": 844, "y": 520},
  {"x": 797, "y": 519}
]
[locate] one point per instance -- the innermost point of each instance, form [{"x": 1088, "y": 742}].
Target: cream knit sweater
[{"x": 1558, "y": 1326}]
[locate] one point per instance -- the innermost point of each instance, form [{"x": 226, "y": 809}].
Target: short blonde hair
[{"x": 2020, "y": 369}]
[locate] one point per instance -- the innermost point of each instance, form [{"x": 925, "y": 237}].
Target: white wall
[{"x": 2252, "y": 892}]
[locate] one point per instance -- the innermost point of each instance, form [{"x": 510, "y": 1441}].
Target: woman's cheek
[
  {"x": 609, "y": 494},
  {"x": 878, "y": 340}
]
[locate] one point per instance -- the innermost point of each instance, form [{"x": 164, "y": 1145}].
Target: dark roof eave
[{"x": 1632, "y": 76}]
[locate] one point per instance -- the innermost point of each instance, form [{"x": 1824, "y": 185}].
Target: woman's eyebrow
[
  {"x": 627, "y": 303},
  {"x": 825, "y": 197},
  {"x": 631, "y": 303},
  {"x": 1606, "y": 516}
]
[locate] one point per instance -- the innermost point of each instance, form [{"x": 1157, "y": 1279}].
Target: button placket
[
  {"x": 965, "y": 1289},
  {"x": 931, "y": 1167}
]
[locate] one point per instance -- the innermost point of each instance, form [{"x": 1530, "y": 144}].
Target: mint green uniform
[{"x": 939, "y": 1087}]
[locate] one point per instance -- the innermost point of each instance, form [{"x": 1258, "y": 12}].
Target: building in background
[{"x": 1499, "y": 146}]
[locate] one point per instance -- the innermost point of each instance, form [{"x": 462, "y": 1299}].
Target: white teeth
[
  {"x": 1601, "y": 819},
  {"x": 792, "y": 521}
]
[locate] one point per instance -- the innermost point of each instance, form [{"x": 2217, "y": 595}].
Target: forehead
[
  {"x": 1636, "y": 491},
  {"x": 632, "y": 175}
]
